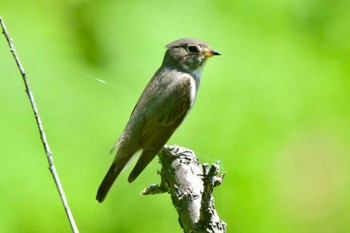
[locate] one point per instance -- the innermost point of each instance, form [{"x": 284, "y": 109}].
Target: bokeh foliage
[{"x": 275, "y": 108}]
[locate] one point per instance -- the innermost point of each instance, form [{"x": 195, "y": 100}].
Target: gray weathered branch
[{"x": 190, "y": 185}]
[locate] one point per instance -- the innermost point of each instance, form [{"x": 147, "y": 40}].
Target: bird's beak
[{"x": 211, "y": 53}]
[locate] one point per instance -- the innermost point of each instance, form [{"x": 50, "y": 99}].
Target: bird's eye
[{"x": 192, "y": 49}]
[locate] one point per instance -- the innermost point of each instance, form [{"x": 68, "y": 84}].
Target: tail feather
[
  {"x": 108, "y": 181},
  {"x": 121, "y": 160}
]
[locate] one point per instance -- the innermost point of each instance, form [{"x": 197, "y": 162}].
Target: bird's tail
[
  {"x": 108, "y": 181},
  {"x": 121, "y": 160}
]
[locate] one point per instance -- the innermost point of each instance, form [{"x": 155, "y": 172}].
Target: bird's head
[{"x": 188, "y": 54}]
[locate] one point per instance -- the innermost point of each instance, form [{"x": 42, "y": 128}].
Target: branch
[
  {"x": 41, "y": 129},
  {"x": 190, "y": 185}
]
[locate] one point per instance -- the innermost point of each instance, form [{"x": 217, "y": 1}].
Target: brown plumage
[{"x": 163, "y": 105}]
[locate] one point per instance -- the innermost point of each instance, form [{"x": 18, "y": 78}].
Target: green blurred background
[{"x": 275, "y": 108}]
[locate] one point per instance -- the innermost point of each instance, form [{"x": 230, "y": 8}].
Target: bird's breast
[{"x": 193, "y": 91}]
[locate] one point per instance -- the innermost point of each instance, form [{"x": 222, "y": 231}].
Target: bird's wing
[{"x": 164, "y": 109}]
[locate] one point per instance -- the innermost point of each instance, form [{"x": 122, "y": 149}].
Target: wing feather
[{"x": 162, "y": 107}]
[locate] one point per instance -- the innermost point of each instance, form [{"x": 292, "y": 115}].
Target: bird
[{"x": 164, "y": 103}]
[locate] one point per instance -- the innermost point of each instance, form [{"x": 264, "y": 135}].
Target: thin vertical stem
[{"x": 41, "y": 130}]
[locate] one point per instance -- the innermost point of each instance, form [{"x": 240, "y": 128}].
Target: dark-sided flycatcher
[{"x": 163, "y": 105}]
